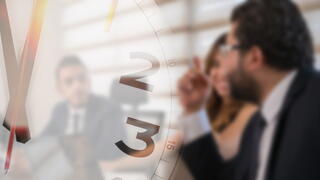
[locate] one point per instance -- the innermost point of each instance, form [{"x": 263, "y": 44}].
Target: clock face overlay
[{"x": 86, "y": 90}]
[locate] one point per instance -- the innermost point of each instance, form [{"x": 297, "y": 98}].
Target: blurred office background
[
  {"x": 79, "y": 27},
  {"x": 76, "y": 27},
  {"x": 194, "y": 26}
]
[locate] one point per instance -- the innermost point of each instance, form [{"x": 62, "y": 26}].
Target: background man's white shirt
[{"x": 80, "y": 112}]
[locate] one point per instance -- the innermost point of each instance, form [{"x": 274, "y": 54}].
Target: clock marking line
[{"x": 158, "y": 38}]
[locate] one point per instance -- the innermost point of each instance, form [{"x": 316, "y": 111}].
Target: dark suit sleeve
[
  {"x": 55, "y": 126},
  {"x": 203, "y": 159}
]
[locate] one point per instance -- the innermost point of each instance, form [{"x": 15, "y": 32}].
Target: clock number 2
[
  {"x": 151, "y": 129},
  {"x": 132, "y": 80}
]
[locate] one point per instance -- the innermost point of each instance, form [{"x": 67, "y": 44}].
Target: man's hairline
[{"x": 59, "y": 69}]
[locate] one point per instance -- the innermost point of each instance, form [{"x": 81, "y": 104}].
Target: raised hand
[{"x": 194, "y": 88}]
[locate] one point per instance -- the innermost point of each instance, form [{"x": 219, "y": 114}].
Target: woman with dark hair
[{"x": 227, "y": 116}]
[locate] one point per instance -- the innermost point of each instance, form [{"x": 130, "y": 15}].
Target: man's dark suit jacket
[
  {"x": 104, "y": 126},
  {"x": 295, "y": 151}
]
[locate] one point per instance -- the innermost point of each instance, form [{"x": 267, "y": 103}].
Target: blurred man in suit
[
  {"x": 268, "y": 59},
  {"x": 97, "y": 119}
]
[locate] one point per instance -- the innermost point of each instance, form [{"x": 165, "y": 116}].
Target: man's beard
[{"x": 243, "y": 86}]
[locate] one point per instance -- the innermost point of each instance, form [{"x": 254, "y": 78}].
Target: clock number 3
[{"x": 151, "y": 129}]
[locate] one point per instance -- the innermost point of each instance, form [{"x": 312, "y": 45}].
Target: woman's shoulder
[
  {"x": 247, "y": 111},
  {"x": 249, "y": 107}
]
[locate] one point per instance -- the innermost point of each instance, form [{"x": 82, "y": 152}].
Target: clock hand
[
  {"x": 11, "y": 66},
  {"x": 13, "y": 115},
  {"x": 27, "y": 62},
  {"x": 111, "y": 14}
]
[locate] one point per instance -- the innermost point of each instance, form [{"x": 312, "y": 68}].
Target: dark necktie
[{"x": 260, "y": 125}]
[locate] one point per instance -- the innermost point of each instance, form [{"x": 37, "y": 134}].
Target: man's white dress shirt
[
  {"x": 71, "y": 124},
  {"x": 197, "y": 124}
]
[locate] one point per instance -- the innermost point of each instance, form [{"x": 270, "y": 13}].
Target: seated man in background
[{"x": 97, "y": 119}]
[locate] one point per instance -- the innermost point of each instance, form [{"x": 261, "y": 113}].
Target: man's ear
[{"x": 254, "y": 59}]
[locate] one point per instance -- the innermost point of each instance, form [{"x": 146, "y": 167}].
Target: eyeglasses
[
  {"x": 81, "y": 78},
  {"x": 226, "y": 48}
]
